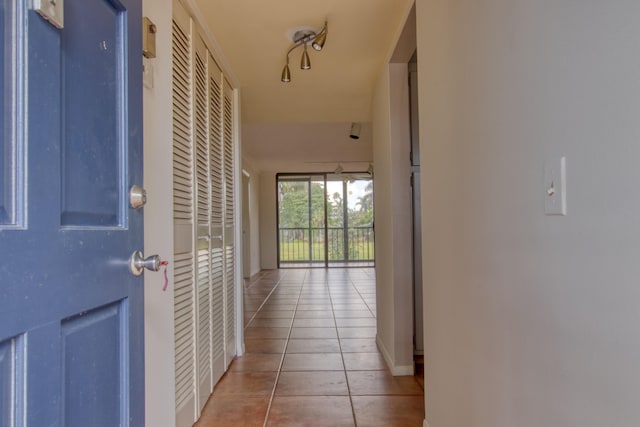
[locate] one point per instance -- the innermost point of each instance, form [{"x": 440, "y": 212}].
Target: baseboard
[
  {"x": 396, "y": 371},
  {"x": 399, "y": 371},
  {"x": 425, "y": 423}
]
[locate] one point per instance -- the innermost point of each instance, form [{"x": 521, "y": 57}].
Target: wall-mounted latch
[
  {"x": 51, "y": 10},
  {"x": 149, "y": 30}
]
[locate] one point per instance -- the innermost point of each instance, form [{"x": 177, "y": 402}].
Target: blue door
[{"x": 71, "y": 313}]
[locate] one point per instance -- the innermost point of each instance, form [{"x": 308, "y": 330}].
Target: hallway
[{"x": 311, "y": 357}]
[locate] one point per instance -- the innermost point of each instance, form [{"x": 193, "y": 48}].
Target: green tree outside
[{"x": 301, "y": 206}]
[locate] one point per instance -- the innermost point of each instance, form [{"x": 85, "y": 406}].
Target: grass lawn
[{"x": 298, "y": 250}]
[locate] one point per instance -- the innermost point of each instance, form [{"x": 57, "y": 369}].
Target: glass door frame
[{"x": 309, "y": 179}]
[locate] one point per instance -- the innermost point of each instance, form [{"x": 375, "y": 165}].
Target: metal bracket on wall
[{"x": 51, "y": 10}]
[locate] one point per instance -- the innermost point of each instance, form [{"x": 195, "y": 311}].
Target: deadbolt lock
[{"x": 137, "y": 197}]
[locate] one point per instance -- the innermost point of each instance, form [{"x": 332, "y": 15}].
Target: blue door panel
[
  {"x": 6, "y": 381},
  {"x": 94, "y": 66},
  {"x": 67, "y": 299},
  {"x": 4, "y": 216},
  {"x": 11, "y": 382},
  {"x": 43, "y": 355},
  {"x": 93, "y": 370}
]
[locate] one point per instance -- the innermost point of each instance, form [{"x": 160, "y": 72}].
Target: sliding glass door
[{"x": 325, "y": 220}]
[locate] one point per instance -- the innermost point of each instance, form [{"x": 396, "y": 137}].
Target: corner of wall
[
  {"x": 158, "y": 306},
  {"x": 268, "y": 221},
  {"x": 396, "y": 370},
  {"x": 394, "y": 290}
]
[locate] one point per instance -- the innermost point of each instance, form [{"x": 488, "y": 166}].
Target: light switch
[{"x": 555, "y": 187}]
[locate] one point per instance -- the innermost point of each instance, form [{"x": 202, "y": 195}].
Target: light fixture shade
[
  {"x": 286, "y": 74},
  {"x": 318, "y": 42},
  {"x": 305, "y": 62},
  {"x": 355, "y": 131}
]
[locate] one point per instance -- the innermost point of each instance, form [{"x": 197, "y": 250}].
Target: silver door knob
[
  {"x": 137, "y": 263},
  {"x": 137, "y": 197}
]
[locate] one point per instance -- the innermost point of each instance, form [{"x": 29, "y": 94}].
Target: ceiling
[{"x": 252, "y": 35}]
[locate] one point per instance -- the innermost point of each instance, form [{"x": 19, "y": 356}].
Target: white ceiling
[{"x": 252, "y": 35}]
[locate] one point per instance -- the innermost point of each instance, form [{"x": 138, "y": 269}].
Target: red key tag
[{"x": 166, "y": 277}]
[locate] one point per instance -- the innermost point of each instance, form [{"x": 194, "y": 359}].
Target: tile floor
[{"x": 311, "y": 357}]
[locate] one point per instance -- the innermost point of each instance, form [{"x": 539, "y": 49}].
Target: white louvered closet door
[
  {"x": 229, "y": 222},
  {"x": 183, "y": 219},
  {"x": 204, "y": 199},
  {"x": 203, "y": 262},
  {"x": 217, "y": 221}
]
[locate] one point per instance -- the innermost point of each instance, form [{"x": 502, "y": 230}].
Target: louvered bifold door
[
  {"x": 216, "y": 168},
  {"x": 229, "y": 228},
  {"x": 203, "y": 268},
  {"x": 183, "y": 221}
]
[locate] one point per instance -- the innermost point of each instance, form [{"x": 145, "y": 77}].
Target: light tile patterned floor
[{"x": 311, "y": 357}]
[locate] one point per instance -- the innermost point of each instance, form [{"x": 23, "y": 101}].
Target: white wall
[
  {"x": 392, "y": 199},
  {"x": 158, "y": 218},
  {"x": 306, "y": 147},
  {"x": 268, "y": 221},
  {"x": 530, "y": 320},
  {"x": 382, "y": 214},
  {"x": 254, "y": 216}
]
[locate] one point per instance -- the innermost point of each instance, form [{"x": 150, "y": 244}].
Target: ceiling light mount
[{"x": 304, "y": 38}]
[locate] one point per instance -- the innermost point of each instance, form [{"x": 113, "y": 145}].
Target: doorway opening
[
  {"x": 325, "y": 220},
  {"x": 418, "y": 340}
]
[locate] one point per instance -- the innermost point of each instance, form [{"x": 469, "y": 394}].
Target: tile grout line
[
  {"x": 363, "y": 300},
  {"x": 284, "y": 353},
  {"x": 264, "y": 302},
  {"x": 344, "y": 365}
]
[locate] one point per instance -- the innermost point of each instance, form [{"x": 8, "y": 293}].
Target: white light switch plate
[{"x": 555, "y": 186}]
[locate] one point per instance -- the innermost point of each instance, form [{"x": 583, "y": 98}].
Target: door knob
[{"x": 137, "y": 263}]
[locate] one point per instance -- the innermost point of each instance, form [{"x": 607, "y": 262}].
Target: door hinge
[{"x": 51, "y": 10}]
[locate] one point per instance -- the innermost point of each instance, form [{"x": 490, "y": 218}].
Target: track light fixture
[
  {"x": 305, "y": 62},
  {"x": 303, "y": 38},
  {"x": 286, "y": 72},
  {"x": 355, "y": 131}
]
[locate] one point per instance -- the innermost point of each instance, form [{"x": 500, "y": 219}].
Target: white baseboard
[
  {"x": 399, "y": 371},
  {"x": 396, "y": 371}
]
